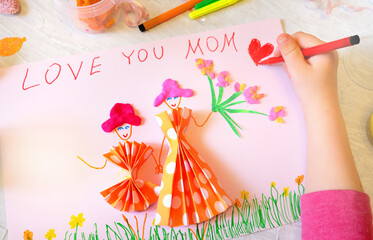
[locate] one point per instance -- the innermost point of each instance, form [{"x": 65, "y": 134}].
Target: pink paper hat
[
  {"x": 120, "y": 114},
  {"x": 170, "y": 88}
]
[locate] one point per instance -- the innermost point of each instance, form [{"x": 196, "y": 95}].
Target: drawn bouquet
[{"x": 225, "y": 108}]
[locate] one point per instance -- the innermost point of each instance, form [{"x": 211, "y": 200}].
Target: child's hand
[
  {"x": 330, "y": 164},
  {"x": 314, "y": 79}
]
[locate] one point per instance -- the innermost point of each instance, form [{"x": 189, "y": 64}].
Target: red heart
[{"x": 258, "y": 52}]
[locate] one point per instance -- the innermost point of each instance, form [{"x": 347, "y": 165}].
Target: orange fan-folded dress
[
  {"x": 132, "y": 194},
  {"x": 190, "y": 192}
]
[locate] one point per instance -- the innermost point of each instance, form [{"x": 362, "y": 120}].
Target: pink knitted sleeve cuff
[{"x": 336, "y": 214}]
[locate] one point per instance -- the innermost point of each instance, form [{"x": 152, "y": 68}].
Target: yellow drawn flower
[
  {"x": 299, "y": 179},
  {"x": 237, "y": 202},
  {"x": 244, "y": 194},
  {"x": 75, "y": 221},
  {"x": 28, "y": 235},
  {"x": 50, "y": 234},
  {"x": 273, "y": 184},
  {"x": 286, "y": 191}
]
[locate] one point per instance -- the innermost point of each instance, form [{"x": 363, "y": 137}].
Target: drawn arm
[
  {"x": 93, "y": 166},
  {"x": 203, "y": 124}
]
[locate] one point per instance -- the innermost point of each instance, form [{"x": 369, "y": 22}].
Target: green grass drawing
[{"x": 242, "y": 218}]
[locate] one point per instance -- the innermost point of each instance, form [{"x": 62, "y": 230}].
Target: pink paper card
[{"x": 239, "y": 173}]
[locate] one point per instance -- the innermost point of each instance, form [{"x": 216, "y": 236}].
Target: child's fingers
[
  {"x": 305, "y": 40},
  {"x": 292, "y": 55}
]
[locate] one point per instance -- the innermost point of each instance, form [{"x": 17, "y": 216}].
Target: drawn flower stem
[
  {"x": 76, "y": 232},
  {"x": 222, "y": 107},
  {"x": 220, "y": 96},
  {"x": 235, "y": 103},
  {"x": 230, "y": 99},
  {"x": 292, "y": 206},
  {"x": 244, "y": 111}
]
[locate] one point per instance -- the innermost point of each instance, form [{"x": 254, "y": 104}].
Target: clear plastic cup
[
  {"x": 358, "y": 62},
  {"x": 94, "y": 18}
]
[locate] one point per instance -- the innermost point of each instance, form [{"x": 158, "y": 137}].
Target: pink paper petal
[{"x": 237, "y": 87}]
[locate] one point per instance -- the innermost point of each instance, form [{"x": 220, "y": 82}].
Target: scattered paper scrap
[
  {"x": 10, "y": 6},
  {"x": 10, "y": 45}
]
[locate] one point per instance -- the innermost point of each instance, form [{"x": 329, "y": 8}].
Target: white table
[{"x": 49, "y": 36}]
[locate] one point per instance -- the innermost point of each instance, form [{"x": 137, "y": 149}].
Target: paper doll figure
[
  {"x": 131, "y": 194},
  {"x": 190, "y": 192}
]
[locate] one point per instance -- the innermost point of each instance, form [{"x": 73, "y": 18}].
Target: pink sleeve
[{"x": 336, "y": 214}]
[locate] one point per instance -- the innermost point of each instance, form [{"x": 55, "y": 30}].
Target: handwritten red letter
[
  {"x": 229, "y": 41},
  {"x": 155, "y": 55},
  {"x": 80, "y": 67},
  {"x": 128, "y": 57},
  {"x": 146, "y": 55},
  {"x": 195, "y": 49},
  {"x": 58, "y": 74},
  {"x": 24, "y": 80},
  {"x": 94, "y": 66},
  {"x": 208, "y": 45}
]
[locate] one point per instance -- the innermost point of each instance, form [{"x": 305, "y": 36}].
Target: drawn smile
[
  {"x": 125, "y": 135},
  {"x": 173, "y": 105}
]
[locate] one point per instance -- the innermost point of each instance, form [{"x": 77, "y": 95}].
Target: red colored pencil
[{"x": 323, "y": 48}]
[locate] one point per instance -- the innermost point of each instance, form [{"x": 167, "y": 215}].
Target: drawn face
[
  {"x": 124, "y": 131},
  {"x": 173, "y": 102}
]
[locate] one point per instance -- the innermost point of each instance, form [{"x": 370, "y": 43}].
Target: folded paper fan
[
  {"x": 190, "y": 192},
  {"x": 10, "y": 45},
  {"x": 131, "y": 194}
]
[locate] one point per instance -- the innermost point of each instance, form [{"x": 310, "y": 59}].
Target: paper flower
[
  {"x": 28, "y": 235},
  {"x": 299, "y": 179},
  {"x": 237, "y": 202},
  {"x": 273, "y": 184},
  {"x": 75, "y": 221},
  {"x": 206, "y": 67},
  {"x": 223, "y": 79},
  {"x": 286, "y": 191},
  {"x": 50, "y": 234},
  {"x": 252, "y": 96},
  {"x": 276, "y": 114},
  {"x": 239, "y": 87}
]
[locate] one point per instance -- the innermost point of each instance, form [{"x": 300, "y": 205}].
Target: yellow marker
[{"x": 211, "y": 8}]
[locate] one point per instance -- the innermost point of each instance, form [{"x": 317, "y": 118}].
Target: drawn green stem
[{"x": 222, "y": 107}]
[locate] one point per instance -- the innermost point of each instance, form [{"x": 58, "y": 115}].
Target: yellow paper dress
[{"x": 189, "y": 191}]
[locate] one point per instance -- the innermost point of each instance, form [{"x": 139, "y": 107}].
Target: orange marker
[{"x": 168, "y": 15}]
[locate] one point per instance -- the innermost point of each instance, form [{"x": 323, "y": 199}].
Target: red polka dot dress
[
  {"x": 132, "y": 194},
  {"x": 189, "y": 191}
]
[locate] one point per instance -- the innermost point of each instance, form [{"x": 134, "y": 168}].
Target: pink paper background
[{"x": 44, "y": 128}]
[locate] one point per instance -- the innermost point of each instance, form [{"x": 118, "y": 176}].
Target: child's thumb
[{"x": 291, "y": 53}]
